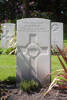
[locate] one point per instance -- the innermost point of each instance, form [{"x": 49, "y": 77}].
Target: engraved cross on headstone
[{"x": 32, "y": 48}]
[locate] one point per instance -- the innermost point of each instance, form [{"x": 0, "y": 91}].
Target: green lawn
[
  {"x": 7, "y": 66},
  {"x": 55, "y": 64}
]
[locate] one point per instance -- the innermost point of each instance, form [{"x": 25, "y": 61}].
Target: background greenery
[{"x": 11, "y": 10}]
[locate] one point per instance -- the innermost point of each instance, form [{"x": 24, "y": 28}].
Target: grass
[
  {"x": 55, "y": 65},
  {"x": 7, "y": 66}
]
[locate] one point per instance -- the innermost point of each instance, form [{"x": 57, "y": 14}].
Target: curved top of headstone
[
  {"x": 8, "y": 26},
  {"x": 30, "y": 20},
  {"x": 33, "y": 20},
  {"x": 56, "y": 25}
]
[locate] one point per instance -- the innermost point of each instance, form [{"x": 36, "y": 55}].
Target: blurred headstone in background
[
  {"x": 57, "y": 35},
  {"x": 8, "y": 30}
]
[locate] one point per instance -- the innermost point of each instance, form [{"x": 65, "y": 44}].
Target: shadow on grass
[
  {"x": 10, "y": 80},
  {"x": 8, "y": 84}
]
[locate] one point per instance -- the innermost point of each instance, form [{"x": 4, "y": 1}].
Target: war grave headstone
[
  {"x": 8, "y": 32},
  {"x": 33, "y": 49},
  {"x": 57, "y": 35}
]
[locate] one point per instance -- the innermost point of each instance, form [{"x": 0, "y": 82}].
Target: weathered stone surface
[
  {"x": 8, "y": 32},
  {"x": 57, "y": 35},
  {"x": 33, "y": 49}
]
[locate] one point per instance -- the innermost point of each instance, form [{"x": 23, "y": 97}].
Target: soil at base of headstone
[{"x": 10, "y": 92}]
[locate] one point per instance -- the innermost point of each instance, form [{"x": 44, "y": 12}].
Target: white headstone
[
  {"x": 8, "y": 32},
  {"x": 33, "y": 49},
  {"x": 57, "y": 35}
]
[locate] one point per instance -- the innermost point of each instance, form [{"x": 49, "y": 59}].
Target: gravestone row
[
  {"x": 34, "y": 39},
  {"x": 56, "y": 34}
]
